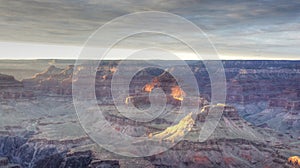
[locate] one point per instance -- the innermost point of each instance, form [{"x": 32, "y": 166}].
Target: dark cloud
[{"x": 242, "y": 26}]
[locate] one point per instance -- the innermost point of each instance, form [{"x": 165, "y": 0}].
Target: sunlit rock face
[
  {"x": 177, "y": 93},
  {"x": 294, "y": 161},
  {"x": 144, "y": 82},
  {"x": 176, "y": 132},
  {"x": 158, "y": 79},
  {"x": 149, "y": 87}
]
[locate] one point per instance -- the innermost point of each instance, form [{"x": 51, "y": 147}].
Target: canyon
[{"x": 259, "y": 126}]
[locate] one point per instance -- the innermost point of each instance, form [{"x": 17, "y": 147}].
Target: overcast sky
[{"x": 265, "y": 29}]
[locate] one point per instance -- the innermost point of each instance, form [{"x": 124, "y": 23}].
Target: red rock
[
  {"x": 229, "y": 160},
  {"x": 201, "y": 160}
]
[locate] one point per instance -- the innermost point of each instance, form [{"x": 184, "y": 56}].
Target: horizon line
[{"x": 70, "y": 59}]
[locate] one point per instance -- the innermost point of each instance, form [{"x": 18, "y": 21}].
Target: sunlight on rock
[
  {"x": 294, "y": 160},
  {"x": 178, "y": 131}
]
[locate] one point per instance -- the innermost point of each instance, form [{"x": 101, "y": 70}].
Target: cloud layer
[{"x": 238, "y": 28}]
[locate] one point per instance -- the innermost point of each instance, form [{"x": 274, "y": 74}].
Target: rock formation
[
  {"x": 52, "y": 81},
  {"x": 294, "y": 161},
  {"x": 20, "y": 151},
  {"x": 265, "y": 93},
  {"x": 12, "y": 89}
]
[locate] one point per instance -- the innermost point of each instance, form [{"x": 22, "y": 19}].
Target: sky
[{"x": 256, "y": 29}]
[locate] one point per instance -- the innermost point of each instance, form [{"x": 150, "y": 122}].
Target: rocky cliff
[
  {"x": 266, "y": 94},
  {"x": 13, "y": 89},
  {"x": 52, "y": 81},
  {"x": 21, "y": 152}
]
